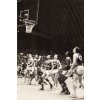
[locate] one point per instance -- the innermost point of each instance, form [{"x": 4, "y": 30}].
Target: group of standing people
[{"x": 41, "y": 68}]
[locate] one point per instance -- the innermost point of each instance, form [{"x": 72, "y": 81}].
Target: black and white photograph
[{"x": 50, "y": 50}]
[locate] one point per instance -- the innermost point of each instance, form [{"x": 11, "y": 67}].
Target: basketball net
[{"x": 29, "y": 26}]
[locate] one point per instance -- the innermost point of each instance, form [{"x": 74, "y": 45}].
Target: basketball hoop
[
  {"x": 29, "y": 25},
  {"x": 29, "y": 28}
]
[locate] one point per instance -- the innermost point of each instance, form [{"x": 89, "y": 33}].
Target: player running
[{"x": 46, "y": 73}]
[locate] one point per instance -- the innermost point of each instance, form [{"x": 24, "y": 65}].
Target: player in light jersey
[
  {"x": 29, "y": 69},
  {"x": 56, "y": 66}
]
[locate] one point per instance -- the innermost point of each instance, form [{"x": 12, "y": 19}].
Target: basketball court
[{"x": 32, "y": 92}]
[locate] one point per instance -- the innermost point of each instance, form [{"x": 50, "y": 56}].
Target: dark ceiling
[{"x": 60, "y": 24}]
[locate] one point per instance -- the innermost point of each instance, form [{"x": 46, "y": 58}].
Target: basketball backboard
[
  {"x": 24, "y": 14},
  {"x": 27, "y": 15}
]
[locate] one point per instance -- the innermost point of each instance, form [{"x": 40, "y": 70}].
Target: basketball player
[
  {"x": 56, "y": 66},
  {"x": 36, "y": 63},
  {"x": 77, "y": 69},
  {"x": 46, "y": 73},
  {"x": 37, "y": 70},
  {"x": 30, "y": 69},
  {"x": 62, "y": 75}
]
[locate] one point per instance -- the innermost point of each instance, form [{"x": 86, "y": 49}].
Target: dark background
[{"x": 60, "y": 26}]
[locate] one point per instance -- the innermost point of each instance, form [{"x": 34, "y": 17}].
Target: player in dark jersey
[
  {"x": 37, "y": 70},
  {"x": 21, "y": 64},
  {"x": 46, "y": 73},
  {"x": 36, "y": 60},
  {"x": 62, "y": 75},
  {"x": 77, "y": 70}
]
